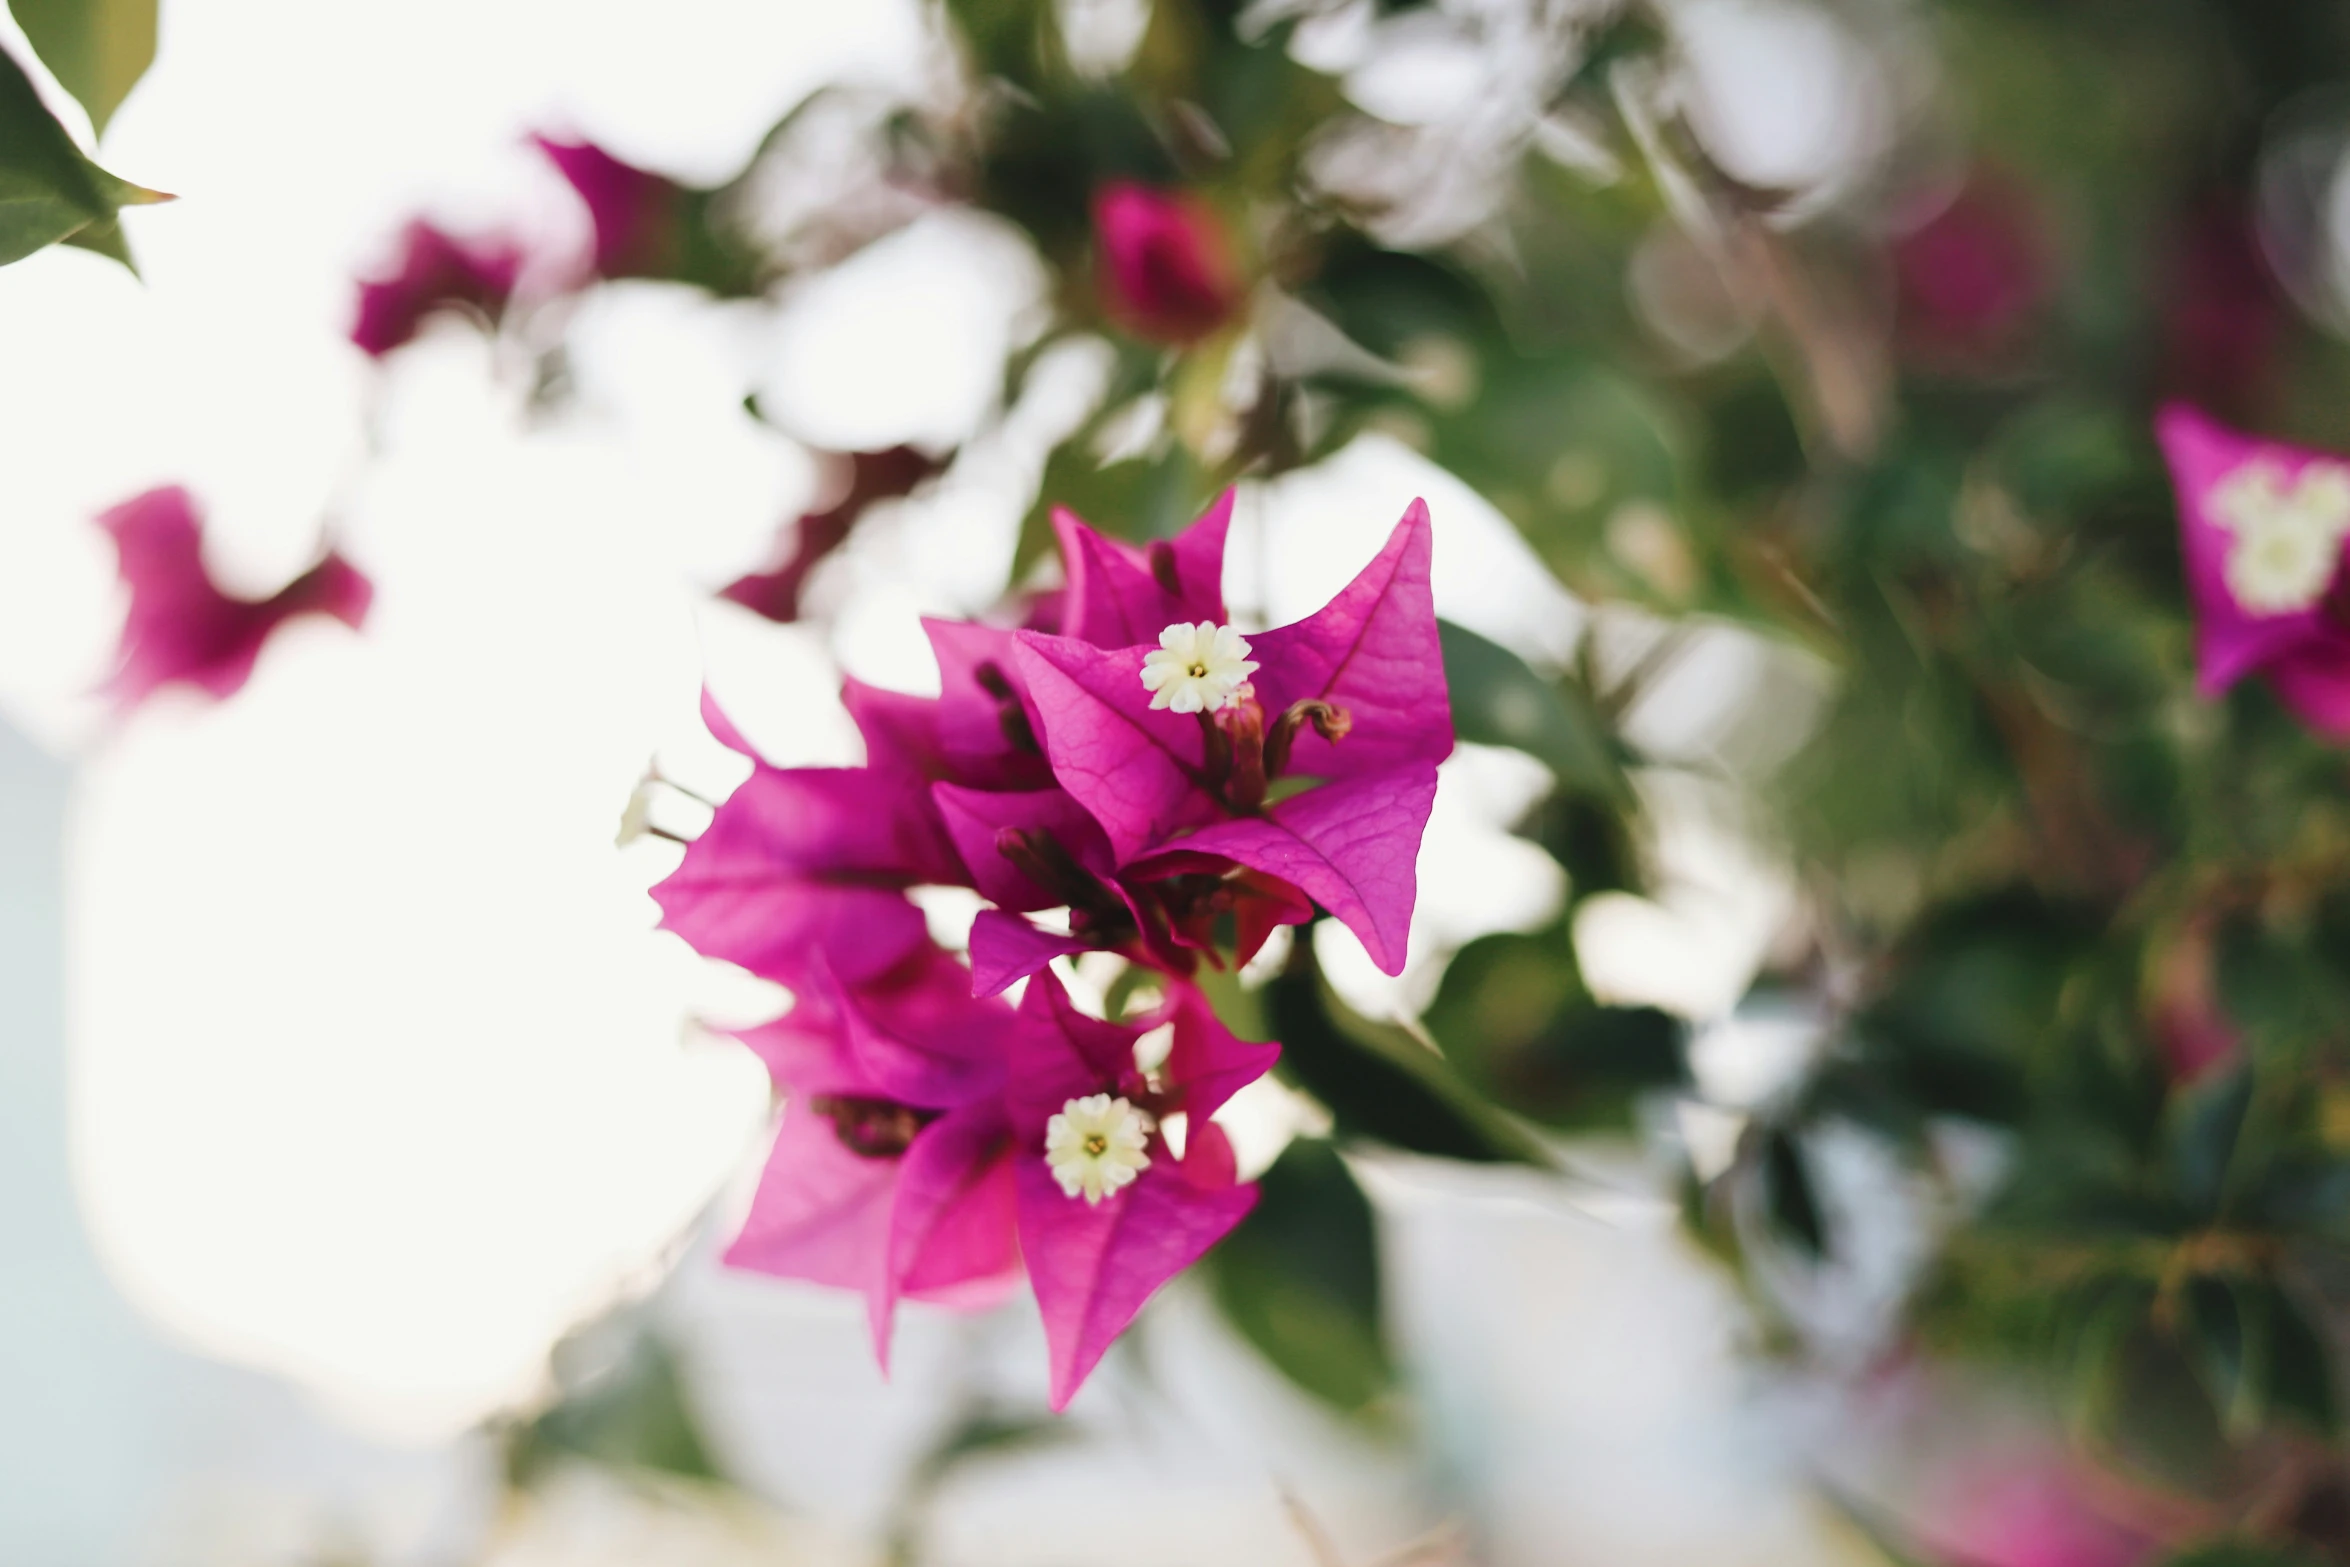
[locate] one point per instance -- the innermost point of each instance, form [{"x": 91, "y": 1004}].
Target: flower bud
[{"x": 1165, "y": 265}]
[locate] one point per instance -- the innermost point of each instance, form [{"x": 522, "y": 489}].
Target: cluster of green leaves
[{"x": 50, "y": 192}]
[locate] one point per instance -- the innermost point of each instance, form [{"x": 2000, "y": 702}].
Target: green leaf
[
  {"x": 48, "y": 190},
  {"x": 1379, "y": 1082},
  {"x": 2208, "y": 1122},
  {"x": 1514, "y": 1017},
  {"x": 632, "y": 1414},
  {"x": 1497, "y": 700},
  {"x": 1789, "y": 1196},
  {"x": 1300, "y": 1278},
  {"x": 106, "y": 239},
  {"x": 97, "y": 49},
  {"x": 2300, "y": 1364},
  {"x": 2228, "y": 1344}
]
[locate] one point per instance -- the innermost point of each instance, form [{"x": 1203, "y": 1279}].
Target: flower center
[
  {"x": 1201, "y": 668},
  {"x": 871, "y": 1128},
  {"x": 2288, "y": 533},
  {"x": 1097, "y": 1145}
]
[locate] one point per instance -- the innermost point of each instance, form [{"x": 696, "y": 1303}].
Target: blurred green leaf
[
  {"x": 1300, "y": 1278},
  {"x": 1497, "y": 700},
  {"x": 1789, "y": 1197},
  {"x": 1379, "y": 1082},
  {"x": 1138, "y": 498},
  {"x": 97, "y": 49},
  {"x": 2228, "y": 1336},
  {"x": 976, "y": 1434},
  {"x": 1516, "y": 1021},
  {"x": 48, "y": 190},
  {"x": 2302, "y": 1374},
  {"x": 633, "y": 1414},
  {"x": 2206, "y": 1124}
]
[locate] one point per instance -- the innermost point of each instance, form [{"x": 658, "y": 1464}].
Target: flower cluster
[
  {"x": 1176, "y": 791},
  {"x": 2262, "y": 531}
]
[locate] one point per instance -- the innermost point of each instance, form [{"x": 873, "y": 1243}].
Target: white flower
[
  {"x": 2257, "y": 493},
  {"x": 1095, "y": 1146},
  {"x": 2288, "y": 532},
  {"x": 1197, "y": 669},
  {"x": 2280, "y": 567}
]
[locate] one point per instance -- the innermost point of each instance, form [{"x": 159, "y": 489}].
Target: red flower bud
[{"x": 1165, "y": 266}]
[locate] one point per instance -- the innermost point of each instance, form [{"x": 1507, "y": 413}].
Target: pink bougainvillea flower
[
  {"x": 1175, "y": 750},
  {"x": 436, "y": 271},
  {"x": 1038, "y": 849},
  {"x": 872, "y": 476},
  {"x": 182, "y": 629},
  {"x": 809, "y": 863},
  {"x": 1166, "y": 267},
  {"x": 636, "y": 213},
  {"x": 891, "y": 1173},
  {"x": 2261, "y": 529},
  {"x": 1971, "y": 278},
  {"x": 1108, "y": 1211}
]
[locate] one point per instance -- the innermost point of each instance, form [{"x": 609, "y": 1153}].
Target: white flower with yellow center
[
  {"x": 2288, "y": 533},
  {"x": 1197, "y": 669},
  {"x": 1095, "y": 1146}
]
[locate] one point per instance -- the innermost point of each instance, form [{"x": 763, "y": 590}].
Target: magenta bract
[
  {"x": 1353, "y": 694},
  {"x": 181, "y": 628},
  {"x": 891, "y": 1172},
  {"x": 1094, "y": 1265},
  {"x": 809, "y": 863},
  {"x": 2234, "y": 491},
  {"x": 435, "y": 272},
  {"x": 635, "y": 212}
]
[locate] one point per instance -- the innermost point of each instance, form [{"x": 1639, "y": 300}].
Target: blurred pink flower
[
  {"x": 1971, "y": 278},
  {"x": 2191, "y": 1029},
  {"x": 637, "y": 214},
  {"x": 436, "y": 271},
  {"x": 2222, "y": 317},
  {"x": 1354, "y": 695},
  {"x": 2033, "y": 1517},
  {"x": 1166, "y": 267},
  {"x": 182, "y": 629},
  {"x": 2262, "y": 527},
  {"x": 872, "y": 476},
  {"x": 1097, "y": 1253}
]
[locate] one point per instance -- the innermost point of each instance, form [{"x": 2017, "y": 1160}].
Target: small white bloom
[
  {"x": 1197, "y": 669},
  {"x": 2288, "y": 532},
  {"x": 2257, "y": 493},
  {"x": 2281, "y": 566},
  {"x": 1095, "y": 1146}
]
